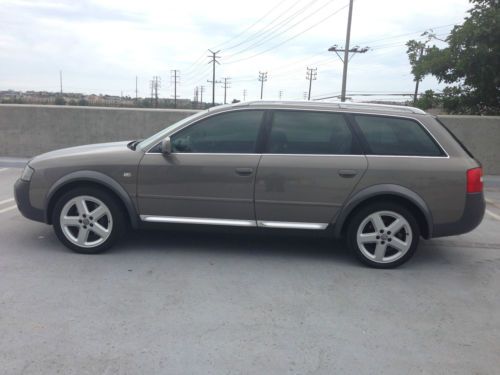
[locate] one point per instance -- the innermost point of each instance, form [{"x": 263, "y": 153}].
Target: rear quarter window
[{"x": 396, "y": 136}]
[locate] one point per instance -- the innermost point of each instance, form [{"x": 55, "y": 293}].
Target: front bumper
[
  {"x": 22, "y": 195},
  {"x": 472, "y": 216}
]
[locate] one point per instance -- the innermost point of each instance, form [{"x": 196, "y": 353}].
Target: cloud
[{"x": 102, "y": 45}]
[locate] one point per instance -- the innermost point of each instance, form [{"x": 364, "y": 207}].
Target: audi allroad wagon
[{"x": 378, "y": 176}]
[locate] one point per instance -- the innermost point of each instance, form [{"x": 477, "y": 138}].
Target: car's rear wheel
[
  {"x": 87, "y": 220},
  {"x": 383, "y": 235}
]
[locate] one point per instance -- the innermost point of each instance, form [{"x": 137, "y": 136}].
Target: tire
[
  {"x": 88, "y": 220},
  {"x": 383, "y": 234}
]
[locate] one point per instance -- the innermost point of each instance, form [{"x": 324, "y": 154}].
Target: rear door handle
[
  {"x": 244, "y": 171},
  {"x": 348, "y": 173}
]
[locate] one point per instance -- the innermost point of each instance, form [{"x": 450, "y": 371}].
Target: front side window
[
  {"x": 233, "y": 132},
  {"x": 307, "y": 132},
  {"x": 396, "y": 136}
]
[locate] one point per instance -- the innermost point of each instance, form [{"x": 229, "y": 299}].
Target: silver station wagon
[{"x": 378, "y": 176}]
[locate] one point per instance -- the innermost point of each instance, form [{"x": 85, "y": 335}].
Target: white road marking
[
  {"x": 4, "y": 169},
  {"x": 494, "y": 216},
  {"x": 7, "y": 200},
  {"x": 7, "y": 209}
]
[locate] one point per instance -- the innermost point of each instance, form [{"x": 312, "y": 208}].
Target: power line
[
  {"x": 280, "y": 31},
  {"x": 264, "y": 29},
  {"x": 249, "y": 27},
  {"x": 291, "y": 38}
]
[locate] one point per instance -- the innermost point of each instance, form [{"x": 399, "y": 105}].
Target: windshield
[{"x": 151, "y": 141}]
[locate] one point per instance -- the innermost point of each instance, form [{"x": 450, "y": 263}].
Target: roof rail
[{"x": 341, "y": 105}]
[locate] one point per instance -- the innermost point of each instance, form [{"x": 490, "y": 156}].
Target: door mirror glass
[{"x": 166, "y": 146}]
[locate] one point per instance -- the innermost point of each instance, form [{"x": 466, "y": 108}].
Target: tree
[
  {"x": 60, "y": 101},
  {"x": 470, "y": 62}
]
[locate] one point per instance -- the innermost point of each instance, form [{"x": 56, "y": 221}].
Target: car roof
[{"x": 382, "y": 108}]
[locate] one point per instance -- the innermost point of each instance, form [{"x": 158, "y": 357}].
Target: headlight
[{"x": 27, "y": 173}]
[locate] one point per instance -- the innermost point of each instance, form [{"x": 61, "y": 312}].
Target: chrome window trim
[
  {"x": 233, "y": 222},
  {"x": 334, "y": 110}
]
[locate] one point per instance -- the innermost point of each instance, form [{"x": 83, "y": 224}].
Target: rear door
[
  {"x": 311, "y": 164},
  {"x": 209, "y": 176}
]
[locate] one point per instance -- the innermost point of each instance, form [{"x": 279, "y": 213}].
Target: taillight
[{"x": 475, "y": 180}]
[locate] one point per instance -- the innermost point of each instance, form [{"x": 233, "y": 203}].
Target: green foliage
[
  {"x": 427, "y": 100},
  {"x": 83, "y": 101},
  {"x": 60, "y": 101},
  {"x": 471, "y": 61}
]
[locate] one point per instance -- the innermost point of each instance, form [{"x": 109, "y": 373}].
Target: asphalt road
[{"x": 244, "y": 303}]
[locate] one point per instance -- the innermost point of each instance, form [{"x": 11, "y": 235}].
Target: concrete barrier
[
  {"x": 481, "y": 135},
  {"x": 27, "y": 130}
]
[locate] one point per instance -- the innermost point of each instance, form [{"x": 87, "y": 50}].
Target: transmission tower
[
  {"x": 174, "y": 79},
  {"x": 280, "y": 94},
  {"x": 213, "y": 61},
  {"x": 202, "y": 90},
  {"x": 311, "y": 75},
  {"x": 244, "y": 94},
  {"x": 155, "y": 85},
  {"x": 262, "y": 79}
]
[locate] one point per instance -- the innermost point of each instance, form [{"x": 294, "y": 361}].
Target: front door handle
[
  {"x": 244, "y": 171},
  {"x": 348, "y": 173}
]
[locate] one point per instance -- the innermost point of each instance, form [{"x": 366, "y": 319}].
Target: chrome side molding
[
  {"x": 291, "y": 225},
  {"x": 197, "y": 220},
  {"x": 233, "y": 222}
]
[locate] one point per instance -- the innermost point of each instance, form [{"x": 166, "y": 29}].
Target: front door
[
  {"x": 311, "y": 165},
  {"x": 209, "y": 176}
]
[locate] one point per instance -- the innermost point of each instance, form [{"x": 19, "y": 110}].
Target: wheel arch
[
  {"x": 390, "y": 192},
  {"x": 93, "y": 178}
]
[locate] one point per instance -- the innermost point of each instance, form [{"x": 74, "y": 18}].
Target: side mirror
[{"x": 166, "y": 146}]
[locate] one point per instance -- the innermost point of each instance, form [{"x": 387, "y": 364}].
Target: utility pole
[
  {"x": 280, "y": 94},
  {"x": 262, "y": 79},
  {"x": 226, "y": 86},
  {"x": 244, "y": 94},
  {"x": 60, "y": 80},
  {"x": 136, "y": 90},
  {"x": 174, "y": 78},
  {"x": 347, "y": 51},
  {"x": 202, "y": 90},
  {"x": 311, "y": 75},
  {"x": 415, "y": 95},
  {"x": 213, "y": 61}
]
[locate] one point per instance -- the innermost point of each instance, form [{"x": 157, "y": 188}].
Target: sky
[{"x": 102, "y": 45}]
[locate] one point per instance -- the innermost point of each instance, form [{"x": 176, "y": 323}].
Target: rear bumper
[
  {"x": 22, "y": 195},
  {"x": 471, "y": 218}
]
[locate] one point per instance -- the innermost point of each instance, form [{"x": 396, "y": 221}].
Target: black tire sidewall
[
  {"x": 362, "y": 213},
  {"x": 113, "y": 206}
]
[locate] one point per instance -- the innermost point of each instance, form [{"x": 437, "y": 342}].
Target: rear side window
[
  {"x": 396, "y": 136},
  {"x": 296, "y": 132}
]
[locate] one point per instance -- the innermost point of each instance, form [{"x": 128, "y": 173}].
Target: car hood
[{"x": 101, "y": 149}]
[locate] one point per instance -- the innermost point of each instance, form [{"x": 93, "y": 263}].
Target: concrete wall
[
  {"x": 27, "y": 130},
  {"x": 481, "y": 135}
]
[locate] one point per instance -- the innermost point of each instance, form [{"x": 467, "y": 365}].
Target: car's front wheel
[
  {"x": 383, "y": 235},
  {"x": 87, "y": 220}
]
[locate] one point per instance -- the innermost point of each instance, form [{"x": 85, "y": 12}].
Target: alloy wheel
[{"x": 86, "y": 221}]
